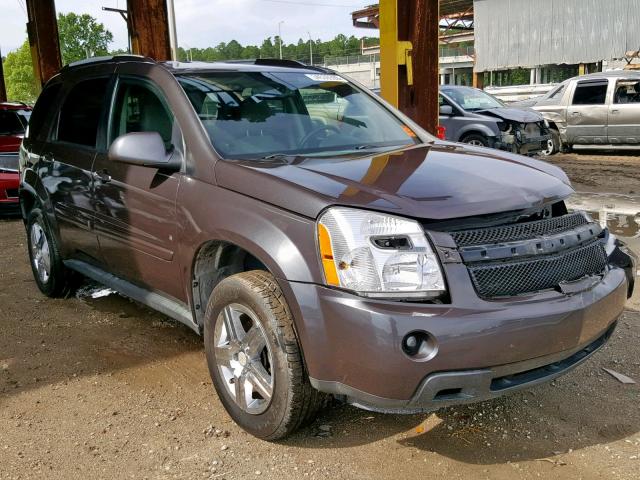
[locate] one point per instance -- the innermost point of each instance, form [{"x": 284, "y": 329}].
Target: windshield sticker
[{"x": 318, "y": 77}]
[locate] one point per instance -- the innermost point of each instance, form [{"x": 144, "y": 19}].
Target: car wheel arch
[
  {"x": 216, "y": 260},
  {"x": 476, "y": 130}
]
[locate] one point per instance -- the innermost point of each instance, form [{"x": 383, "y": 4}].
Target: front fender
[
  {"x": 281, "y": 240},
  {"x": 480, "y": 128}
]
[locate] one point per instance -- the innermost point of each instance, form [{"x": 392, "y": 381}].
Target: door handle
[
  {"x": 101, "y": 176},
  {"x": 576, "y": 114},
  {"x": 615, "y": 112}
]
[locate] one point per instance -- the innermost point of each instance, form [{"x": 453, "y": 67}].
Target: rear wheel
[
  {"x": 254, "y": 358},
  {"x": 476, "y": 139},
  {"x": 51, "y": 276}
]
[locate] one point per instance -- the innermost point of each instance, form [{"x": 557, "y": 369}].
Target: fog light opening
[{"x": 419, "y": 346}]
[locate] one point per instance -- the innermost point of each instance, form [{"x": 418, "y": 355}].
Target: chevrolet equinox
[{"x": 319, "y": 240}]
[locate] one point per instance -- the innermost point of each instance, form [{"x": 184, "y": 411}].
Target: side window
[
  {"x": 138, "y": 108},
  {"x": 590, "y": 94},
  {"x": 627, "y": 91},
  {"x": 81, "y": 112},
  {"x": 43, "y": 111},
  {"x": 10, "y": 123}
]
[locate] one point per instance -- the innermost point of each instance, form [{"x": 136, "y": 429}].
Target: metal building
[{"x": 530, "y": 33}]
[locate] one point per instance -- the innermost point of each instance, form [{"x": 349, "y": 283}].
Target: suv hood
[
  {"x": 432, "y": 181},
  {"x": 520, "y": 115}
]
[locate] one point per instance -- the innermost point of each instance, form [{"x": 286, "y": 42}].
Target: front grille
[
  {"x": 512, "y": 278},
  {"x": 518, "y": 231}
]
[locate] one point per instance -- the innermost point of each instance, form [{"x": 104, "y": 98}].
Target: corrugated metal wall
[{"x": 526, "y": 33}]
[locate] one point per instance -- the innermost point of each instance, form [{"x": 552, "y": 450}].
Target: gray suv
[
  {"x": 319, "y": 240},
  {"x": 472, "y": 116}
]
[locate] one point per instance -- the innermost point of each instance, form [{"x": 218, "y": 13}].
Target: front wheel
[
  {"x": 553, "y": 144},
  {"x": 476, "y": 139},
  {"x": 254, "y": 358}
]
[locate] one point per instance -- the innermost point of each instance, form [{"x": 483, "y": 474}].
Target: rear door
[
  {"x": 136, "y": 206},
  {"x": 588, "y": 112},
  {"x": 67, "y": 160},
  {"x": 624, "y": 113}
]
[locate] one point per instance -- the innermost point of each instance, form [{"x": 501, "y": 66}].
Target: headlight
[{"x": 377, "y": 255}]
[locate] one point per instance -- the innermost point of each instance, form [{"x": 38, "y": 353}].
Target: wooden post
[
  {"x": 478, "y": 79},
  {"x": 149, "y": 28},
  {"x": 409, "y": 40},
  {"x": 3, "y": 88},
  {"x": 42, "y": 29}
]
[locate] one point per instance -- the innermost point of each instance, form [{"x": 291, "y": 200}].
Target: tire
[
  {"x": 553, "y": 146},
  {"x": 476, "y": 139},
  {"x": 264, "y": 355},
  {"x": 51, "y": 276}
]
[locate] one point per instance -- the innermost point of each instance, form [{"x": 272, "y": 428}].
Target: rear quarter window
[{"x": 43, "y": 112}]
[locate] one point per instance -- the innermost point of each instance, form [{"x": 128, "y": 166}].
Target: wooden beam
[
  {"x": 149, "y": 28},
  {"x": 3, "y": 88},
  {"x": 478, "y": 79},
  {"x": 42, "y": 29},
  {"x": 418, "y": 23}
]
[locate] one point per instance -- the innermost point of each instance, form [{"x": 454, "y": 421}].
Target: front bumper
[
  {"x": 526, "y": 145},
  {"x": 353, "y": 346}
]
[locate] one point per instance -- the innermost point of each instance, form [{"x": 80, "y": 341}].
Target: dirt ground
[{"x": 104, "y": 388}]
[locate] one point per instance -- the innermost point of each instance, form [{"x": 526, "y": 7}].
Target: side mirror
[
  {"x": 446, "y": 110},
  {"x": 145, "y": 149}
]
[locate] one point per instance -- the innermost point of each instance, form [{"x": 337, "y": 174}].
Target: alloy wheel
[
  {"x": 244, "y": 358},
  {"x": 40, "y": 255}
]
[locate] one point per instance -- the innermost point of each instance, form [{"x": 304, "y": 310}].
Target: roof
[
  {"x": 611, "y": 74},
  {"x": 369, "y": 17},
  {"x": 258, "y": 65},
  {"x": 14, "y": 106},
  {"x": 271, "y": 65}
]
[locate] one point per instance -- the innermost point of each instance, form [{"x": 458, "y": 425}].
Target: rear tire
[
  {"x": 257, "y": 370},
  {"x": 476, "y": 139},
  {"x": 51, "y": 276}
]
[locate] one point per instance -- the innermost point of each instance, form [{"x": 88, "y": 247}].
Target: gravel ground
[{"x": 104, "y": 388}]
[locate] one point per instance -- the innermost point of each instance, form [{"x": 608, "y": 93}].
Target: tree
[
  {"x": 82, "y": 36},
  {"x": 19, "y": 77}
]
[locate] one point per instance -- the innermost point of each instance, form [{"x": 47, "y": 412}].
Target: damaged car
[
  {"x": 472, "y": 116},
  {"x": 599, "y": 111},
  {"x": 352, "y": 255}
]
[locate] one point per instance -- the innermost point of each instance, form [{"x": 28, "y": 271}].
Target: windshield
[
  {"x": 259, "y": 114},
  {"x": 472, "y": 99}
]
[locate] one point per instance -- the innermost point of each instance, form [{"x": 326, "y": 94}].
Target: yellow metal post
[
  {"x": 409, "y": 37},
  {"x": 389, "y": 43}
]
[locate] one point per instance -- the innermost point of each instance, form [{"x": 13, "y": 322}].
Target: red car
[{"x": 14, "y": 118}]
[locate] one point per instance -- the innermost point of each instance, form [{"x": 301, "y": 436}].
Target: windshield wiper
[{"x": 276, "y": 156}]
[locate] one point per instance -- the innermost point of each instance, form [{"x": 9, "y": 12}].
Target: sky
[{"x": 204, "y": 23}]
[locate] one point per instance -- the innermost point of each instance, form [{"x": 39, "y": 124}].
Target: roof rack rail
[
  {"x": 108, "y": 58},
  {"x": 277, "y": 62}
]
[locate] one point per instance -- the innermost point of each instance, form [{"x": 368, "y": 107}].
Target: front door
[
  {"x": 136, "y": 206},
  {"x": 67, "y": 158},
  {"x": 624, "y": 113},
  {"x": 587, "y": 114}
]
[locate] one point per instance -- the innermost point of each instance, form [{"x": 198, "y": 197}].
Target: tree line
[{"x": 82, "y": 36}]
